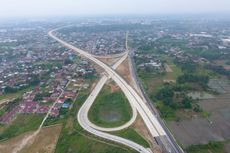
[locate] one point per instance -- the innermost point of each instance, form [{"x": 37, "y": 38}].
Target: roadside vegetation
[
  {"x": 110, "y": 109},
  {"x": 73, "y": 138},
  {"x": 132, "y": 135}
]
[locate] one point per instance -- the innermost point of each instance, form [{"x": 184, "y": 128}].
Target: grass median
[{"x": 110, "y": 109}]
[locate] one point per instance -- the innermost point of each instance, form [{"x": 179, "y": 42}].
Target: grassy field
[
  {"x": 73, "y": 139},
  {"x": 131, "y": 134},
  {"x": 110, "y": 109},
  {"x": 166, "y": 112},
  {"x": 212, "y": 147},
  {"x": 22, "y": 124}
]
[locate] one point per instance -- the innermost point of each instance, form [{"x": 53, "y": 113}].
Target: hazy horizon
[{"x": 29, "y": 8}]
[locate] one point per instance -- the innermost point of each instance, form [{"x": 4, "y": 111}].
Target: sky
[{"x": 22, "y": 8}]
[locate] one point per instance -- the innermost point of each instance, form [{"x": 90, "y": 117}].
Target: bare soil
[
  {"x": 124, "y": 71},
  {"x": 13, "y": 143},
  {"x": 168, "y": 68},
  {"x": 109, "y": 61},
  {"x": 113, "y": 87},
  {"x": 44, "y": 142}
]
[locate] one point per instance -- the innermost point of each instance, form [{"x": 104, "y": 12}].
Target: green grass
[
  {"x": 53, "y": 121},
  {"x": 77, "y": 141},
  {"x": 205, "y": 114},
  {"x": 23, "y": 123},
  {"x": 73, "y": 139},
  {"x": 131, "y": 134},
  {"x": 166, "y": 112},
  {"x": 110, "y": 109},
  {"x": 2, "y": 111},
  {"x": 211, "y": 147}
]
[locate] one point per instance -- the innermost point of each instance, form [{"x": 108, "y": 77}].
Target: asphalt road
[{"x": 169, "y": 137}]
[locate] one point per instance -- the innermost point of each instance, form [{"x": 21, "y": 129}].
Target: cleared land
[
  {"x": 109, "y": 61},
  {"x": 168, "y": 68},
  {"x": 124, "y": 71},
  {"x": 44, "y": 142},
  {"x": 110, "y": 109}
]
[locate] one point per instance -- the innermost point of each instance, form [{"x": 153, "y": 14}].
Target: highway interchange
[
  {"x": 93, "y": 95},
  {"x": 151, "y": 121}
]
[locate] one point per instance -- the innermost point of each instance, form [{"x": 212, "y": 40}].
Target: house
[
  {"x": 65, "y": 105},
  {"x": 42, "y": 109},
  {"x": 9, "y": 116},
  {"x": 29, "y": 107}
]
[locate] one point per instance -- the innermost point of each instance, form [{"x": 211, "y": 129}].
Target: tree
[
  {"x": 187, "y": 103},
  {"x": 165, "y": 94}
]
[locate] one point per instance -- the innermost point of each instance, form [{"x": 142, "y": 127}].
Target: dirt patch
[
  {"x": 44, "y": 142},
  {"x": 93, "y": 86},
  {"x": 124, "y": 71},
  {"x": 140, "y": 127},
  {"x": 113, "y": 86},
  {"x": 109, "y": 61},
  {"x": 13, "y": 143},
  {"x": 168, "y": 68}
]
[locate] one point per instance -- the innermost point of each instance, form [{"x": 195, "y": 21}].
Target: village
[
  {"x": 48, "y": 75},
  {"x": 97, "y": 43}
]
